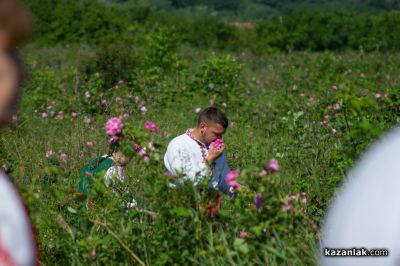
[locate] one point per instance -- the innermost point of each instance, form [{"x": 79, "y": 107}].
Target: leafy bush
[
  {"x": 115, "y": 62},
  {"x": 48, "y": 93},
  {"x": 218, "y": 77}
]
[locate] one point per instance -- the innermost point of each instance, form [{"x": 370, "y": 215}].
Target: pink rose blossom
[
  {"x": 303, "y": 198},
  {"x": 234, "y": 185},
  {"x": 378, "y": 96},
  {"x": 302, "y": 94},
  {"x": 233, "y": 174},
  {"x": 49, "y": 153},
  {"x": 114, "y": 126},
  {"x": 74, "y": 114},
  {"x": 294, "y": 197},
  {"x": 263, "y": 173},
  {"x": 286, "y": 207},
  {"x": 258, "y": 202},
  {"x": 243, "y": 234},
  {"x": 231, "y": 179},
  {"x": 45, "y": 115},
  {"x": 137, "y": 147},
  {"x": 150, "y": 144},
  {"x": 89, "y": 144},
  {"x": 143, "y": 110},
  {"x": 113, "y": 139},
  {"x": 272, "y": 166},
  {"x": 63, "y": 157},
  {"x": 124, "y": 116},
  {"x": 152, "y": 127},
  {"x": 218, "y": 143},
  {"x": 146, "y": 158},
  {"x": 142, "y": 152},
  {"x": 323, "y": 123}
]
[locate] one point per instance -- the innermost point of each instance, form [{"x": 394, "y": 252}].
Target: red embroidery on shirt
[
  {"x": 5, "y": 257},
  {"x": 202, "y": 146}
]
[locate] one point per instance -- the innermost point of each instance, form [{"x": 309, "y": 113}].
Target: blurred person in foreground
[
  {"x": 363, "y": 224},
  {"x": 17, "y": 244}
]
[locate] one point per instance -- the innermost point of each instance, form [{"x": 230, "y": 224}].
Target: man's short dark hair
[{"x": 214, "y": 115}]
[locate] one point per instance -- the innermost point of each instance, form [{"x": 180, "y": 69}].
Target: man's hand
[{"x": 213, "y": 153}]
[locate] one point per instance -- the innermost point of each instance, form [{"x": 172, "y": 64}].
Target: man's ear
[{"x": 202, "y": 125}]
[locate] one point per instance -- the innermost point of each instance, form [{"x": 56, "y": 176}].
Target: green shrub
[
  {"x": 218, "y": 76},
  {"x": 115, "y": 62}
]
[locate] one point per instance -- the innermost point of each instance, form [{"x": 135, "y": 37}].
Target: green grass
[{"x": 270, "y": 121}]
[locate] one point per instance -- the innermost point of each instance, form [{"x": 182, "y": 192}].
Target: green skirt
[{"x": 90, "y": 171}]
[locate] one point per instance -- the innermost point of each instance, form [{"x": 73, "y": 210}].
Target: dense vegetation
[
  {"x": 67, "y": 21},
  {"x": 310, "y": 90}
]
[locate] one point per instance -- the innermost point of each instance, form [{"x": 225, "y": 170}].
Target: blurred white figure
[
  {"x": 366, "y": 212},
  {"x": 17, "y": 245}
]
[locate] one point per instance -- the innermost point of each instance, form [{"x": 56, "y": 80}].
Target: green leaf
[
  {"x": 240, "y": 245},
  {"x": 223, "y": 213},
  {"x": 181, "y": 212},
  {"x": 257, "y": 230}
]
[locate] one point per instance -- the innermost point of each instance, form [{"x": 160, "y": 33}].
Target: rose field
[{"x": 298, "y": 121}]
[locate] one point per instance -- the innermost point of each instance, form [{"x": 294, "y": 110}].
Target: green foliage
[
  {"x": 314, "y": 112},
  {"x": 218, "y": 76},
  {"x": 46, "y": 92},
  {"x": 88, "y": 21},
  {"x": 70, "y": 21},
  {"x": 115, "y": 62},
  {"x": 318, "y": 32},
  {"x": 210, "y": 32},
  {"x": 278, "y": 104},
  {"x": 161, "y": 52}
]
